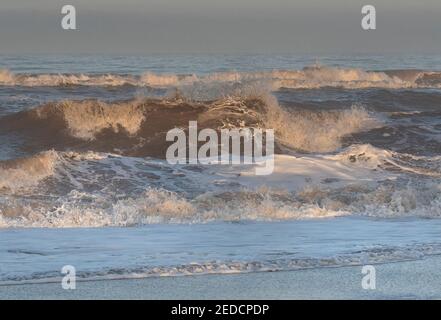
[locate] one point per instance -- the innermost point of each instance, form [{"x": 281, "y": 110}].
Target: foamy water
[
  {"x": 358, "y": 146},
  {"x": 316, "y": 76},
  {"x": 37, "y": 255}
]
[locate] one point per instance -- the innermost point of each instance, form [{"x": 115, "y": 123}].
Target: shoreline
[{"x": 417, "y": 279}]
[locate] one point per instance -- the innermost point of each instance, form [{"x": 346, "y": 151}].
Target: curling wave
[
  {"x": 138, "y": 127},
  {"x": 25, "y": 172}
]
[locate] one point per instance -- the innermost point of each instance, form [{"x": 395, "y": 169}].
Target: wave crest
[
  {"x": 138, "y": 127},
  {"x": 25, "y": 172},
  {"x": 315, "y": 76},
  {"x": 86, "y": 118}
]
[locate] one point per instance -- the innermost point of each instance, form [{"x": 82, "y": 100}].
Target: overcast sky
[{"x": 224, "y": 26}]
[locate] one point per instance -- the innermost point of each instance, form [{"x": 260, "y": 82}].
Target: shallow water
[{"x": 170, "y": 250}]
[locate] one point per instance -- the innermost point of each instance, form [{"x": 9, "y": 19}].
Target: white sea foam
[
  {"x": 315, "y": 76},
  {"x": 361, "y": 180},
  {"x": 249, "y": 105},
  {"x": 25, "y": 172},
  {"x": 86, "y": 118},
  {"x": 318, "y": 131}
]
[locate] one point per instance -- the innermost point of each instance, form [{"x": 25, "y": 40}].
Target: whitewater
[{"x": 83, "y": 168}]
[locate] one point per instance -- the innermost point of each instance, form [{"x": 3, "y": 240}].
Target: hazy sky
[{"x": 224, "y": 26}]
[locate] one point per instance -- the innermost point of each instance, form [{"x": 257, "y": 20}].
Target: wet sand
[{"x": 419, "y": 279}]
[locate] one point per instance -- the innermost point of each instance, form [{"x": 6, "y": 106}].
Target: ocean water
[{"x": 84, "y": 181}]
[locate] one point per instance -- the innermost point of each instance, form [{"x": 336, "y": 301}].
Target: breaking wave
[
  {"x": 100, "y": 176},
  {"x": 24, "y": 172},
  {"x": 163, "y": 206},
  {"x": 83, "y": 189},
  {"x": 8, "y": 78},
  {"x": 315, "y": 76},
  {"x": 138, "y": 127},
  {"x": 84, "y": 119}
]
